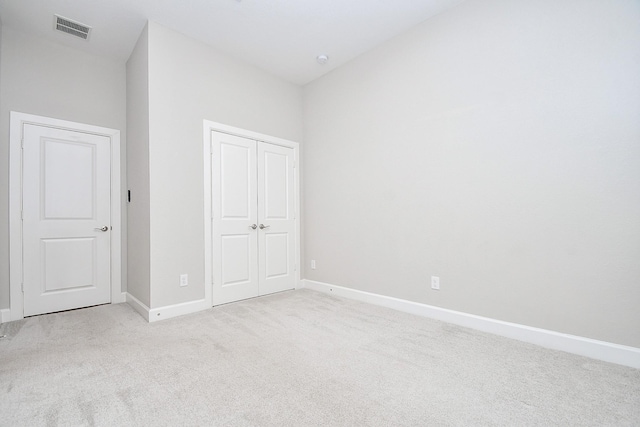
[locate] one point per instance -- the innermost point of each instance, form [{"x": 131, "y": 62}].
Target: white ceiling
[{"x": 283, "y": 37}]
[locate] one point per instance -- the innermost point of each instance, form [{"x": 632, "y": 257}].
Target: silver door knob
[
  {"x": 262, "y": 226},
  {"x": 253, "y": 226},
  {"x": 105, "y": 228}
]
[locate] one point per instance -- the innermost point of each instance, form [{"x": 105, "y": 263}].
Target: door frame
[
  {"x": 207, "y": 128},
  {"x": 17, "y": 122}
]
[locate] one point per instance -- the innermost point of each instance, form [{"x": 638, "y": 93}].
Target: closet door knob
[
  {"x": 103, "y": 229},
  {"x": 262, "y": 226},
  {"x": 253, "y": 226}
]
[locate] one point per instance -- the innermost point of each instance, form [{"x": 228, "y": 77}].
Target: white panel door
[
  {"x": 66, "y": 219},
  {"x": 276, "y": 217},
  {"x": 253, "y": 218},
  {"x": 235, "y": 244}
]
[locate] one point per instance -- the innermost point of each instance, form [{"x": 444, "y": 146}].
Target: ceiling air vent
[{"x": 71, "y": 27}]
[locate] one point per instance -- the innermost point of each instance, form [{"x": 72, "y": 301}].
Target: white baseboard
[
  {"x": 166, "y": 312},
  {"x": 601, "y": 350},
  {"x": 138, "y": 306},
  {"x": 5, "y": 315},
  {"x": 175, "y": 310},
  {"x": 122, "y": 297}
]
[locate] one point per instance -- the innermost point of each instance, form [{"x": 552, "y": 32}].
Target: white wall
[
  {"x": 189, "y": 82},
  {"x": 47, "y": 79},
  {"x": 138, "y": 171},
  {"x": 496, "y": 145}
]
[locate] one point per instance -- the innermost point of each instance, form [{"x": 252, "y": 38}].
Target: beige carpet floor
[{"x": 298, "y": 358}]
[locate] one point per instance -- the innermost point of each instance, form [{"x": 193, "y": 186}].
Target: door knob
[
  {"x": 262, "y": 226},
  {"x": 105, "y": 228},
  {"x": 253, "y": 226}
]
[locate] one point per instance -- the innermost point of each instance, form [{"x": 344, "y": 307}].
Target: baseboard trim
[
  {"x": 175, "y": 310},
  {"x": 601, "y": 350},
  {"x": 138, "y": 306},
  {"x": 168, "y": 311},
  {"x": 122, "y": 297},
  {"x": 5, "y": 315}
]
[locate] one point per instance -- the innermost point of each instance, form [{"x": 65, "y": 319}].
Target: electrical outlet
[
  {"x": 435, "y": 282},
  {"x": 184, "y": 279},
  {"x": 313, "y": 264}
]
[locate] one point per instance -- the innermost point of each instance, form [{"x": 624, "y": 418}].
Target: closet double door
[{"x": 254, "y": 227}]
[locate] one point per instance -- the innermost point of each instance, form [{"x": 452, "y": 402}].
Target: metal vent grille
[{"x": 71, "y": 27}]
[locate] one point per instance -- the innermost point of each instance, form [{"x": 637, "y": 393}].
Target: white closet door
[
  {"x": 276, "y": 216},
  {"x": 66, "y": 219},
  {"x": 235, "y": 240}
]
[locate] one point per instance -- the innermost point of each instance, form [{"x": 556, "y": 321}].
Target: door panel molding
[
  {"x": 235, "y": 214},
  {"x": 18, "y": 121},
  {"x": 276, "y": 209},
  {"x": 208, "y": 128}
]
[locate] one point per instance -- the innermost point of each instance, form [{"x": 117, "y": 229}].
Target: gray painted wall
[
  {"x": 47, "y": 79},
  {"x": 189, "y": 82},
  {"x": 138, "y": 280},
  {"x": 496, "y": 145}
]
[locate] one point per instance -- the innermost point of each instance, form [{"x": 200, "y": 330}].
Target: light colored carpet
[{"x": 297, "y": 358}]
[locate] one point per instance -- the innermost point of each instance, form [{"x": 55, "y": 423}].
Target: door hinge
[
  {"x": 22, "y": 287},
  {"x": 21, "y": 214},
  {"x": 22, "y": 143}
]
